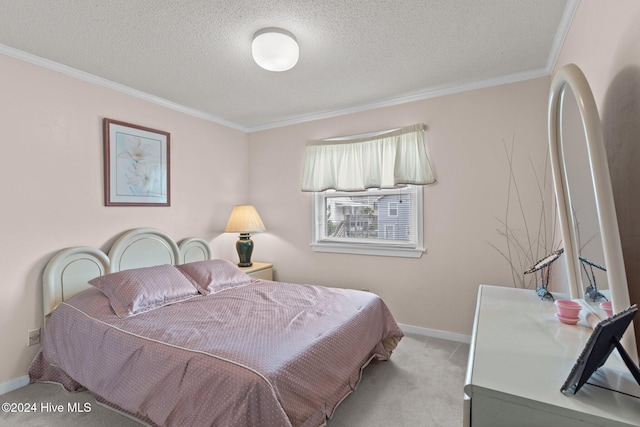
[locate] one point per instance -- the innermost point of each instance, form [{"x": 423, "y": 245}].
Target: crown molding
[
  {"x": 561, "y": 34},
  {"x": 91, "y": 78},
  {"x": 418, "y": 96}
]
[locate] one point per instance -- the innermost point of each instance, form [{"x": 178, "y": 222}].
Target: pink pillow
[
  {"x": 139, "y": 290},
  {"x": 214, "y": 275}
]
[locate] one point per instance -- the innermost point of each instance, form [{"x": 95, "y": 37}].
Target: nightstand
[{"x": 259, "y": 270}]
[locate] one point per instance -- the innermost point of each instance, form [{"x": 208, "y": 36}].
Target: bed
[{"x": 163, "y": 332}]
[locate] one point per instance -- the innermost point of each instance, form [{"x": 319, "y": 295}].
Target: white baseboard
[
  {"x": 14, "y": 384},
  {"x": 434, "y": 333}
]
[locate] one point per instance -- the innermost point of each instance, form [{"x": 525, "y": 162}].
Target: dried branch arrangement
[{"x": 526, "y": 243}]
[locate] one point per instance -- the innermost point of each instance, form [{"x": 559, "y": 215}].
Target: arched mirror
[
  {"x": 582, "y": 183},
  {"x": 592, "y": 280}
]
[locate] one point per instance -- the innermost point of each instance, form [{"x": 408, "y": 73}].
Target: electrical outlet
[{"x": 33, "y": 337}]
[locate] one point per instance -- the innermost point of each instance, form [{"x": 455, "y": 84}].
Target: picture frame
[
  {"x": 136, "y": 165},
  {"x": 605, "y": 337}
]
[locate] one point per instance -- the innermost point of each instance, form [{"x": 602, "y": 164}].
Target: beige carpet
[{"x": 421, "y": 386}]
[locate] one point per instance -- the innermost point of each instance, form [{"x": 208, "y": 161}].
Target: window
[
  {"x": 393, "y": 209},
  {"x": 368, "y": 192},
  {"x": 373, "y": 222}
]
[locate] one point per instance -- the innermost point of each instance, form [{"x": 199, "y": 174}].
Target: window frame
[{"x": 321, "y": 243}]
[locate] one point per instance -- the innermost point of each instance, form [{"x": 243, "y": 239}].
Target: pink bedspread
[{"x": 264, "y": 354}]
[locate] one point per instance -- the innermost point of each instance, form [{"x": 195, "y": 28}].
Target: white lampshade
[
  {"x": 244, "y": 219},
  {"x": 275, "y": 49}
]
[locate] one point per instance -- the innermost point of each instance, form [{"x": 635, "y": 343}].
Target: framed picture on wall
[{"x": 136, "y": 165}]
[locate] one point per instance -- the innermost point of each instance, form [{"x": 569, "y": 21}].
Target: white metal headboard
[{"x": 69, "y": 271}]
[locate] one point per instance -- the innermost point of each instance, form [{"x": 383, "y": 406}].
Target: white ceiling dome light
[{"x": 275, "y": 49}]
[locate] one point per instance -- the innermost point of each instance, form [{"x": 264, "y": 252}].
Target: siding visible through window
[{"x": 376, "y": 221}]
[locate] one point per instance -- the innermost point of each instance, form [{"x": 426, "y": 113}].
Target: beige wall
[
  {"x": 604, "y": 42},
  {"x": 465, "y": 138},
  {"x": 51, "y": 181}
]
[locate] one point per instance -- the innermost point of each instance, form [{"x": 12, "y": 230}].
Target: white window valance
[{"x": 385, "y": 160}]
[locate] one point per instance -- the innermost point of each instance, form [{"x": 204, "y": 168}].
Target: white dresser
[{"x": 521, "y": 355}]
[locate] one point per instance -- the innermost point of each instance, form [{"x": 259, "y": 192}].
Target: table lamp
[{"x": 244, "y": 219}]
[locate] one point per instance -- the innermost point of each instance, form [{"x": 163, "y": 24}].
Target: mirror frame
[{"x": 570, "y": 76}]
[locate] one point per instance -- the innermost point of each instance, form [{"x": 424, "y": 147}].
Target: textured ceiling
[{"x": 195, "y": 55}]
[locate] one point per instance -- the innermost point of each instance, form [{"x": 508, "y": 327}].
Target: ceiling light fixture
[{"x": 275, "y": 49}]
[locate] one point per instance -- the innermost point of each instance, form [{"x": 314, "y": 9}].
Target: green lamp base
[{"x": 244, "y": 246}]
